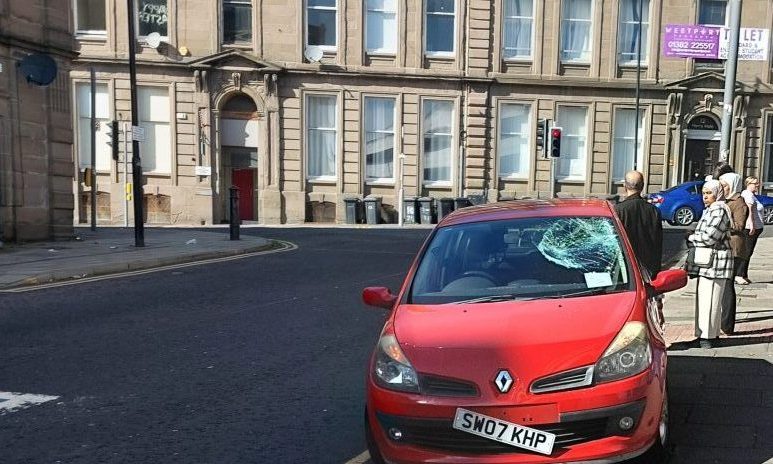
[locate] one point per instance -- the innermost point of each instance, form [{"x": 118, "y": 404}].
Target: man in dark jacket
[{"x": 642, "y": 223}]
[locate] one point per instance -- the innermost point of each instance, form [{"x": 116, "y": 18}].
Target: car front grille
[
  {"x": 567, "y": 380},
  {"x": 443, "y": 386},
  {"x": 574, "y": 428},
  {"x": 439, "y": 434}
]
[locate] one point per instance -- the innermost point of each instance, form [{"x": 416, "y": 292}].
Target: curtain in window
[
  {"x": 321, "y": 22},
  {"x": 152, "y": 16},
  {"x": 91, "y": 16},
  {"x": 381, "y": 28},
  {"x": 321, "y": 143},
  {"x": 623, "y": 143},
  {"x": 379, "y": 138},
  {"x": 513, "y": 146},
  {"x": 712, "y": 12},
  {"x": 437, "y": 124},
  {"x": 629, "y": 30},
  {"x": 237, "y": 21},
  {"x": 573, "y": 141},
  {"x": 156, "y": 150},
  {"x": 518, "y": 19},
  {"x": 104, "y": 151},
  {"x": 576, "y": 33},
  {"x": 440, "y": 26}
]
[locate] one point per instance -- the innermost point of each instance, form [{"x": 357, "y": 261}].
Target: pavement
[{"x": 721, "y": 398}]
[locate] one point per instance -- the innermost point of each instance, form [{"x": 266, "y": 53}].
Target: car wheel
[
  {"x": 658, "y": 452},
  {"x": 375, "y": 454},
  {"x": 684, "y": 216},
  {"x": 767, "y": 215}
]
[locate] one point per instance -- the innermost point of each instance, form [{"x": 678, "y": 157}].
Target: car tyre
[
  {"x": 375, "y": 454},
  {"x": 660, "y": 450},
  {"x": 684, "y": 216},
  {"x": 767, "y": 215}
]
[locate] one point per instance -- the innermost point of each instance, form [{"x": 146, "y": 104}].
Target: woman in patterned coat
[{"x": 712, "y": 231}]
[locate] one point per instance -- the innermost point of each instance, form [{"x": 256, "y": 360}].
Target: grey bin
[
  {"x": 353, "y": 210},
  {"x": 462, "y": 202},
  {"x": 427, "y": 206},
  {"x": 373, "y": 210},
  {"x": 410, "y": 210},
  {"x": 445, "y": 206}
]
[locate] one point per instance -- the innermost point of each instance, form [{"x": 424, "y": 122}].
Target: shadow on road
[{"x": 721, "y": 407}]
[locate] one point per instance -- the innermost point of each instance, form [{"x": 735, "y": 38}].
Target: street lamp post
[
  {"x": 139, "y": 232},
  {"x": 730, "y": 72}
]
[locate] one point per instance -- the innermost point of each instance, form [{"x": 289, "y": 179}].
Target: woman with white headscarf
[
  {"x": 733, "y": 184},
  {"x": 713, "y": 232}
]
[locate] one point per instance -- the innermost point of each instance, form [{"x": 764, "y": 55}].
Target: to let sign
[
  {"x": 752, "y": 44},
  {"x": 691, "y": 41}
]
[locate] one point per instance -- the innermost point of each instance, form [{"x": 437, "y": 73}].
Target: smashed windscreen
[{"x": 522, "y": 258}]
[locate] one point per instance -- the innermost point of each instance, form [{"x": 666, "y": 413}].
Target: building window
[
  {"x": 437, "y": 133},
  {"x": 440, "y": 27},
  {"x": 576, "y": 30},
  {"x": 379, "y": 138},
  {"x": 156, "y": 150},
  {"x": 104, "y": 151},
  {"x": 381, "y": 27},
  {"x": 767, "y": 163},
  {"x": 712, "y": 12},
  {"x": 573, "y": 121},
  {"x": 321, "y": 17},
  {"x": 623, "y": 143},
  {"x": 90, "y": 17},
  {"x": 513, "y": 145},
  {"x": 237, "y": 21},
  {"x": 152, "y": 16},
  {"x": 321, "y": 136},
  {"x": 518, "y": 24},
  {"x": 628, "y": 40}
]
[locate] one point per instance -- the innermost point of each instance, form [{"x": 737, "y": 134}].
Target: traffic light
[
  {"x": 113, "y": 135},
  {"x": 542, "y": 125},
  {"x": 555, "y": 142}
]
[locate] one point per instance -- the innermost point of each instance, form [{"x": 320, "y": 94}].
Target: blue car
[{"x": 683, "y": 204}]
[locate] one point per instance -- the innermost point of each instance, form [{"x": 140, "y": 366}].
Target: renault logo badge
[{"x": 504, "y": 381}]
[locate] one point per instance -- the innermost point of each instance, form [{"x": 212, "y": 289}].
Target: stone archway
[{"x": 701, "y": 146}]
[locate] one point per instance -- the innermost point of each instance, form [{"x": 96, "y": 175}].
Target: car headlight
[
  {"x": 629, "y": 354},
  {"x": 392, "y": 369}
]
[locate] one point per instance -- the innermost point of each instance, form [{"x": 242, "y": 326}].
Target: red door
[{"x": 245, "y": 180}]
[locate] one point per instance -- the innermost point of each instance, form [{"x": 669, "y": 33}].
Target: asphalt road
[{"x": 257, "y": 360}]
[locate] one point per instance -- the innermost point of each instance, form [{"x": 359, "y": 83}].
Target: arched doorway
[
  {"x": 239, "y": 151},
  {"x": 701, "y": 150}
]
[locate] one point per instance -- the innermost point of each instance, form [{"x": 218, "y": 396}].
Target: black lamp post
[{"x": 139, "y": 231}]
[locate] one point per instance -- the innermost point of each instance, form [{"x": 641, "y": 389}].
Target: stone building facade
[
  {"x": 36, "y": 165},
  {"x": 304, "y": 103}
]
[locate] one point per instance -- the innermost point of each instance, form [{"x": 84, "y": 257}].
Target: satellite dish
[
  {"x": 153, "y": 40},
  {"x": 38, "y": 69},
  {"x": 313, "y": 53}
]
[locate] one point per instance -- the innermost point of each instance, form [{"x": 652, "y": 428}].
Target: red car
[{"x": 525, "y": 332}]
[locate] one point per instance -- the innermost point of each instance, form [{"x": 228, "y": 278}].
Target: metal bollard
[{"x": 234, "y": 219}]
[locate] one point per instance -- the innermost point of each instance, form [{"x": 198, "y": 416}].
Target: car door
[{"x": 695, "y": 199}]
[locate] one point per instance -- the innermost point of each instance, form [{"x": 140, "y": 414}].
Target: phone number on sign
[{"x": 677, "y": 45}]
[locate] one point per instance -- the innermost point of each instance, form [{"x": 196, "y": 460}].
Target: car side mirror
[
  {"x": 669, "y": 280},
  {"x": 379, "y": 297}
]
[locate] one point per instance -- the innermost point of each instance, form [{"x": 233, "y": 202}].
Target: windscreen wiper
[
  {"x": 492, "y": 299},
  {"x": 586, "y": 292}
]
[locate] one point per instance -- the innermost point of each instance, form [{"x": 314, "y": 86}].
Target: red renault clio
[{"x": 525, "y": 332}]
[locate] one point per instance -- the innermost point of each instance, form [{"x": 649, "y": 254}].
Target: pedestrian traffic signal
[
  {"x": 113, "y": 138},
  {"x": 555, "y": 142},
  {"x": 542, "y": 125}
]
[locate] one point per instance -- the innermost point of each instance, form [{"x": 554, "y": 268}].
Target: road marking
[
  {"x": 361, "y": 459},
  {"x": 284, "y": 246},
  {"x": 10, "y": 402}
]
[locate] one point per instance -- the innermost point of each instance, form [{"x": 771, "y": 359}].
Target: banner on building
[{"x": 712, "y": 42}]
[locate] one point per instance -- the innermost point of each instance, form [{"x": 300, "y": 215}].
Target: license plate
[{"x": 503, "y": 431}]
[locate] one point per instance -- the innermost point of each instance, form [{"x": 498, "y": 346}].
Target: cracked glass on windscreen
[{"x": 522, "y": 258}]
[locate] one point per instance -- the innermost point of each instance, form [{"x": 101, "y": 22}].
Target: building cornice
[{"x": 11, "y": 41}]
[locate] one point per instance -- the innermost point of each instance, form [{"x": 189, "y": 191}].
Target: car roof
[{"x": 514, "y": 209}]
